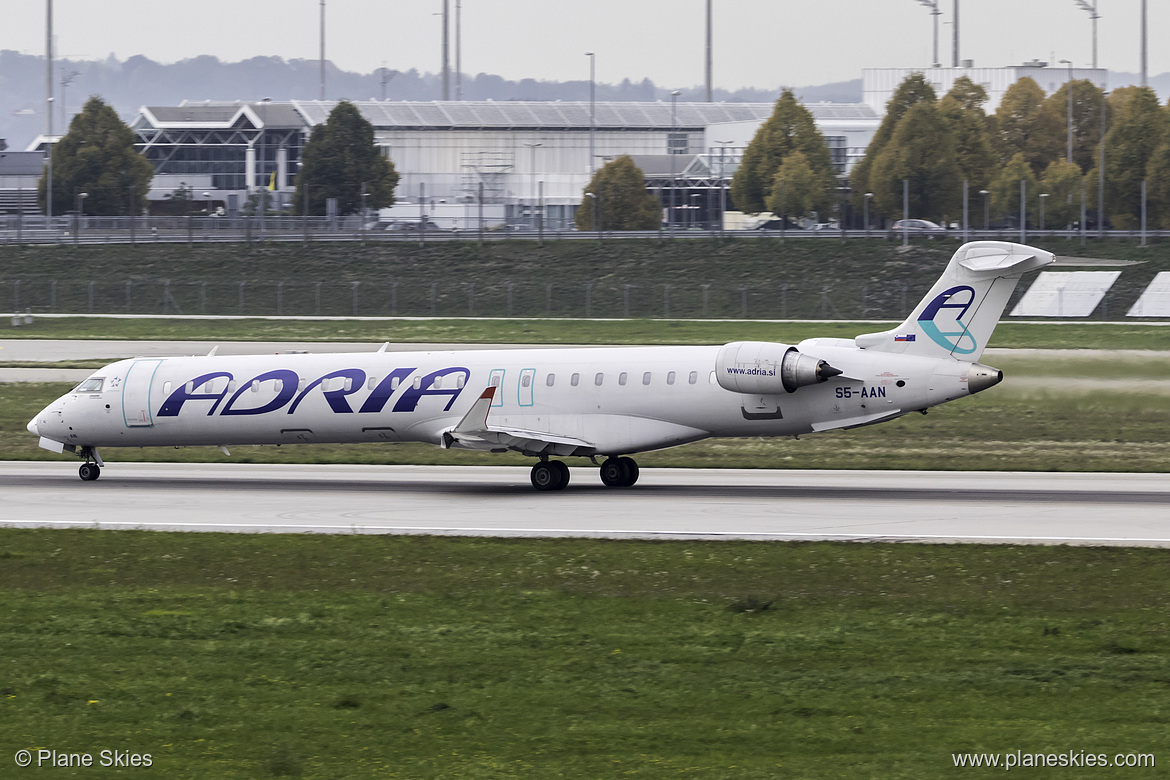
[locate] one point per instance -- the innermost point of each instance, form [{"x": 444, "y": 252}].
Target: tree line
[{"x": 935, "y": 145}]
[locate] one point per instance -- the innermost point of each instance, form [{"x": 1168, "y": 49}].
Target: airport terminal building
[{"x": 514, "y": 154}]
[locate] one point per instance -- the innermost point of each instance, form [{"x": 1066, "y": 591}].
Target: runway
[{"x": 898, "y": 506}]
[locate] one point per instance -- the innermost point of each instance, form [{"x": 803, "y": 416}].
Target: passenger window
[
  {"x": 460, "y": 380},
  {"x": 255, "y": 386},
  {"x": 526, "y": 380},
  {"x": 622, "y": 378},
  {"x": 394, "y": 382},
  {"x": 646, "y": 378},
  {"x": 575, "y": 380},
  {"x": 711, "y": 378},
  {"x": 550, "y": 380},
  {"x": 166, "y": 388},
  {"x": 372, "y": 383},
  {"x": 694, "y": 377},
  {"x": 597, "y": 380},
  {"x": 277, "y": 385},
  {"x": 231, "y": 385},
  {"x": 189, "y": 387},
  {"x": 438, "y": 383},
  {"x": 349, "y": 384},
  {"x": 496, "y": 380},
  {"x": 301, "y": 385},
  {"x": 670, "y": 378},
  {"x": 418, "y": 383}
]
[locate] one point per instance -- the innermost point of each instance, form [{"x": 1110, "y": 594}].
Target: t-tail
[{"x": 959, "y": 314}]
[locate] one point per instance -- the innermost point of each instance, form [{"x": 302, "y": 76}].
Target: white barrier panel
[
  {"x": 1065, "y": 293},
  {"x": 1154, "y": 300}
]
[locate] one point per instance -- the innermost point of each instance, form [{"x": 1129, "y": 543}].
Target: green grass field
[
  {"x": 242, "y": 656},
  {"x": 1136, "y": 335}
]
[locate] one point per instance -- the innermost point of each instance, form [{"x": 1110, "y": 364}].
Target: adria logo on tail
[{"x": 942, "y": 320}]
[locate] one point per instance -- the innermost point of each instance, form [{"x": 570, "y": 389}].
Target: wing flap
[{"x": 474, "y": 433}]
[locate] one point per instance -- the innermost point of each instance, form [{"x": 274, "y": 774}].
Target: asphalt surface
[{"x": 962, "y": 507}]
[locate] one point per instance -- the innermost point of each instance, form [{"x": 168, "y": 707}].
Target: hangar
[{"x": 517, "y": 154}]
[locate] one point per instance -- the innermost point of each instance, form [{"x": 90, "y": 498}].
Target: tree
[
  {"x": 1062, "y": 182},
  {"x": 1005, "y": 188},
  {"x": 913, "y": 90},
  {"x": 341, "y": 161},
  {"x": 920, "y": 150},
  {"x": 796, "y": 188},
  {"x": 1158, "y": 192},
  {"x": 1023, "y": 126},
  {"x": 97, "y": 157},
  {"x": 1088, "y": 100},
  {"x": 1139, "y": 127},
  {"x": 791, "y": 128},
  {"x": 962, "y": 110},
  {"x": 617, "y": 192}
]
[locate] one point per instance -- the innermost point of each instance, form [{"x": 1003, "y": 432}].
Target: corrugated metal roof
[{"x": 504, "y": 115}]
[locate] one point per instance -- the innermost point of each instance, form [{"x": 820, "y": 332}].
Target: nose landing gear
[{"x": 92, "y": 468}]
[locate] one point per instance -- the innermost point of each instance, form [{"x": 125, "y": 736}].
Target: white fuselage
[{"x": 606, "y": 401}]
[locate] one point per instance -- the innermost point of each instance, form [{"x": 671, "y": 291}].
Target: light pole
[
  {"x": 1092, "y": 9},
  {"x": 933, "y": 6},
  {"x": 868, "y": 198},
  {"x": 532, "y": 177},
  {"x": 693, "y": 211},
  {"x": 596, "y": 224},
  {"x": 986, "y": 211},
  {"x": 1043, "y": 195},
  {"x": 722, "y": 183},
  {"x": 1070, "y": 108},
  {"x": 207, "y": 197},
  {"x": 81, "y": 196},
  {"x": 670, "y": 151},
  {"x": 592, "y": 122}
]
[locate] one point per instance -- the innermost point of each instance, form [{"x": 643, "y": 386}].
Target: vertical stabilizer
[{"x": 958, "y": 315}]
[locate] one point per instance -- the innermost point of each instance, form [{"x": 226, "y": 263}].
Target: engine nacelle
[{"x": 767, "y": 368}]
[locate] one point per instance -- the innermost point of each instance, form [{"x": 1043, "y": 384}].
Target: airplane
[{"x": 557, "y": 402}]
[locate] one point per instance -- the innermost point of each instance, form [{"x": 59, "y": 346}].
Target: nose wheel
[
  {"x": 619, "y": 472},
  {"x": 89, "y": 471}
]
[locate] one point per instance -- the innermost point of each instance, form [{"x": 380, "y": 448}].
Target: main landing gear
[
  {"x": 554, "y": 475},
  {"x": 619, "y": 472}
]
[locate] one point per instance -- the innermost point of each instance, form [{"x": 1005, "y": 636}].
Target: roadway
[{"x": 965, "y": 507}]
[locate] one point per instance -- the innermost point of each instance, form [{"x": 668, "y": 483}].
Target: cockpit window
[{"x": 91, "y": 385}]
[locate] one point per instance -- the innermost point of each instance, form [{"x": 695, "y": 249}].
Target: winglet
[
  {"x": 383, "y": 348},
  {"x": 213, "y": 351},
  {"x": 476, "y": 417}
]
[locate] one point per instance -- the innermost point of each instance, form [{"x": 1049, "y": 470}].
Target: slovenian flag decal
[{"x": 908, "y": 337}]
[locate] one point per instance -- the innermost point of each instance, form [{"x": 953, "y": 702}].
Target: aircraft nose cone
[{"x": 32, "y": 425}]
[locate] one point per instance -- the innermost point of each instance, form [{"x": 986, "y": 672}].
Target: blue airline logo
[
  {"x": 942, "y": 320},
  {"x": 209, "y": 387}
]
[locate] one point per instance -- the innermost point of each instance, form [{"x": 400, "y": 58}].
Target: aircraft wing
[{"x": 474, "y": 433}]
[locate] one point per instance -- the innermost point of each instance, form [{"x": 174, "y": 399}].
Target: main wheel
[
  {"x": 632, "y": 471},
  {"x": 615, "y": 472},
  {"x": 550, "y": 475},
  {"x": 89, "y": 471}
]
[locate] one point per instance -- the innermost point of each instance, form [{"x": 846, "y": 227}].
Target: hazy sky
[{"x": 758, "y": 43}]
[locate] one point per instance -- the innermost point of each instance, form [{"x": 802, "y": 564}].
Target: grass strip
[
  {"x": 247, "y": 656},
  {"x": 1066, "y": 335}
]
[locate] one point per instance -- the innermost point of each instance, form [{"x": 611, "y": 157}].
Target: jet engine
[{"x": 764, "y": 367}]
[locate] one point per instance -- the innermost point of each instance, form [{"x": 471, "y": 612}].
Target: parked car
[
  {"x": 919, "y": 227},
  {"x": 413, "y": 226}
]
